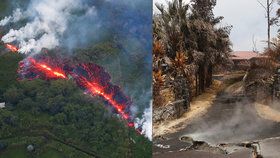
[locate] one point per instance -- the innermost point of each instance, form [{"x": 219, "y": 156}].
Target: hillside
[{"x": 59, "y": 120}]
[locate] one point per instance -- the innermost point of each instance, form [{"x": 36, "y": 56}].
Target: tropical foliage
[
  {"x": 188, "y": 44},
  {"x": 60, "y": 112}
]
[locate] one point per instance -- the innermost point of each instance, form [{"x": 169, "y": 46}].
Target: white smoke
[
  {"x": 17, "y": 15},
  {"x": 49, "y": 20},
  {"x": 146, "y": 122}
]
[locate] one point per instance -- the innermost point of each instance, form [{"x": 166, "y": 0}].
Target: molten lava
[
  {"x": 98, "y": 90},
  {"x": 11, "y": 47},
  {"x": 51, "y": 73},
  {"x": 89, "y": 77},
  {"x": 96, "y": 81}
]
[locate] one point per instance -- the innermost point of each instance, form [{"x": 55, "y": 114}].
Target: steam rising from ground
[
  {"x": 146, "y": 122},
  {"x": 237, "y": 122}
]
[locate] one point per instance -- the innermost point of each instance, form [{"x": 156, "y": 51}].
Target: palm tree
[
  {"x": 168, "y": 27},
  {"x": 192, "y": 43},
  {"x": 211, "y": 41}
]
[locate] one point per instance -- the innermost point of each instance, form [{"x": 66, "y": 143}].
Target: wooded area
[
  {"x": 188, "y": 44},
  {"x": 55, "y": 117}
]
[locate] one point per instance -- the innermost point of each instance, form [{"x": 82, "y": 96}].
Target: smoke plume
[
  {"x": 49, "y": 19},
  {"x": 146, "y": 122},
  {"x": 72, "y": 24},
  {"x": 17, "y": 15}
]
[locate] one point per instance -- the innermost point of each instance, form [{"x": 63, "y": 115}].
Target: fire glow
[
  {"x": 11, "y": 47},
  {"x": 96, "y": 90},
  {"x": 48, "y": 70},
  {"x": 93, "y": 79}
]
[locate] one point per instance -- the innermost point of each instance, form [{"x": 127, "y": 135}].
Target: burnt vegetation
[
  {"x": 189, "y": 44},
  {"x": 262, "y": 78}
]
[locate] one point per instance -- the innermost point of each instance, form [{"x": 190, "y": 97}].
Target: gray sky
[{"x": 248, "y": 20}]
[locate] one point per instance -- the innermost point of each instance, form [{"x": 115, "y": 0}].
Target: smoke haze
[{"x": 72, "y": 24}]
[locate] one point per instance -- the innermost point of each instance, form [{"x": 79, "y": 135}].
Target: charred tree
[
  {"x": 209, "y": 76},
  {"x": 268, "y": 6}
]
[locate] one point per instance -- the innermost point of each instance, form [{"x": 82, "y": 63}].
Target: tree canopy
[{"x": 189, "y": 41}]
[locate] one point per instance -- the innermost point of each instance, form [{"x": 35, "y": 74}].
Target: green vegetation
[
  {"x": 6, "y": 8},
  {"x": 3, "y": 7},
  {"x": 43, "y": 148},
  {"x": 9, "y": 63},
  {"x": 17, "y": 151},
  {"x": 60, "y": 120},
  {"x": 56, "y": 117}
]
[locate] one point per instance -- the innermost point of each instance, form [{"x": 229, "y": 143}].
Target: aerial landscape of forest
[{"x": 47, "y": 109}]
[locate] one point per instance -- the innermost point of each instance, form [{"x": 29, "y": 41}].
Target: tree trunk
[
  {"x": 268, "y": 24},
  {"x": 196, "y": 84},
  {"x": 182, "y": 90},
  {"x": 201, "y": 78},
  {"x": 209, "y": 75}
]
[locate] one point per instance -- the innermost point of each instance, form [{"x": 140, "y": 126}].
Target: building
[{"x": 241, "y": 59}]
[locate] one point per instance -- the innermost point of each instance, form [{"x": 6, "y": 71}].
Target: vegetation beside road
[{"x": 188, "y": 45}]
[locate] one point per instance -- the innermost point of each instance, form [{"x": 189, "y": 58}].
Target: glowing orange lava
[
  {"x": 96, "y": 89},
  {"x": 50, "y": 72},
  {"x": 11, "y": 47},
  {"x": 93, "y": 88}
]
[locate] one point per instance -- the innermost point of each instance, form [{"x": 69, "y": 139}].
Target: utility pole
[{"x": 268, "y": 8}]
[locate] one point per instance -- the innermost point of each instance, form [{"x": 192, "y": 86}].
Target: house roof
[{"x": 243, "y": 55}]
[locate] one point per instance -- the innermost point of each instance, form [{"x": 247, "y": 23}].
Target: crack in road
[{"x": 231, "y": 119}]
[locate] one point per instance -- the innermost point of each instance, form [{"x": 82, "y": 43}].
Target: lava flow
[
  {"x": 49, "y": 72},
  {"x": 93, "y": 79},
  {"x": 11, "y": 47},
  {"x": 96, "y": 81}
]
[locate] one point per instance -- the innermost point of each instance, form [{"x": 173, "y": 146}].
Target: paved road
[{"x": 229, "y": 120}]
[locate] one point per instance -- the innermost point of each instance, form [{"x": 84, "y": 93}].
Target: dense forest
[{"x": 57, "y": 118}]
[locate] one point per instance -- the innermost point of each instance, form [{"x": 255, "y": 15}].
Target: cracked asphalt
[{"x": 231, "y": 119}]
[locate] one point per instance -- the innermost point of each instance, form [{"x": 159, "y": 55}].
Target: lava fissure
[
  {"x": 11, "y": 47},
  {"x": 92, "y": 78}
]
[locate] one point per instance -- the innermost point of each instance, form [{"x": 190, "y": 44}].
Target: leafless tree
[
  {"x": 255, "y": 49},
  {"x": 268, "y": 6}
]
